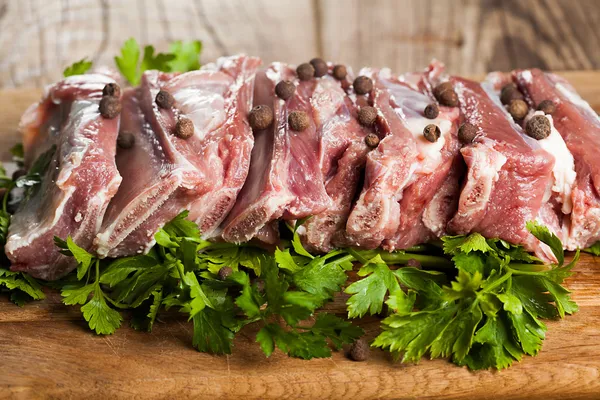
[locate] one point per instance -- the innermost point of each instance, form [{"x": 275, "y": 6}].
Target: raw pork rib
[
  {"x": 410, "y": 183},
  {"x": 286, "y": 179},
  {"x": 164, "y": 174},
  {"x": 78, "y": 183},
  {"x": 509, "y": 176},
  {"x": 579, "y": 126}
]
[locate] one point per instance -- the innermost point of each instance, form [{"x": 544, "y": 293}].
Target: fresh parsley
[{"x": 77, "y": 68}]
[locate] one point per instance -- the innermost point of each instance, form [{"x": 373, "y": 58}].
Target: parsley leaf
[
  {"x": 187, "y": 55},
  {"x": 77, "y": 68}
]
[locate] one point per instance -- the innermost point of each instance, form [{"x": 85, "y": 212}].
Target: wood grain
[
  {"x": 38, "y": 38},
  {"x": 46, "y": 350}
]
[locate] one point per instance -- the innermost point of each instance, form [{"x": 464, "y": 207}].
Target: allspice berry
[
  {"x": 367, "y": 115},
  {"x": 184, "y": 129},
  {"x": 125, "y": 140},
  {"x": 372, "y": 140},
  {"x": 305, "y": 72},
  {"x": 110, "y": 107},
  {"x": 260, "y": 117},
  {"x": 111, "y": 89},
  {"x": 320, "y": 67},
  {"x": 340, "y": 72},
  {"x": 285, "y": 90},
  {"x": 445, "y": 94},
  {"x": 518, "y": 109},
  {"x": 431, "y": 111},
  {"x": 362, "y": 85},
  {"x": 298, "y": 121},
  {"x": 164, "y": 100},
  {"x": 538, "y": 127},
  {"x": 224, "y": 273},
  {"x": 547, "y": 106},
  {"x": 467, "y": 133},
  {"x": 509, "y": 93},
  {"x": 359, "y": 351},
  {"x": 432, "y": 133}
]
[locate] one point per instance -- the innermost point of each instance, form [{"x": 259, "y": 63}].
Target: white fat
[
  {"x": 326, "y": 100},
  {"x": 78, "y": 217},
  {"x": 564, "y": 166},
  {"x": 205, "y": 107},
  {"x": 527, "y": 76}
]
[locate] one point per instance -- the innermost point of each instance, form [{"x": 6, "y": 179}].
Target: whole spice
[
  {"x": 305, "y": 72},
  {"x": 372, "y": 140},
  {"x": 362, "y": 85},
  {"x": 224, "y": 272},
  {"x": 298, "y": 121},
  {"x": 359, "y": 351},
  {"x": 367, "y": 115},
  {"x": 509, "y": 93},
  {"x": 431, "y": 111},
  {"x": 320, "y": 67},
  {"x": 184, "y": 129},
  {"x": 547, "y": 106},
  {"x": 125, "y": 140},
  {"x": 518, "y": 109},
  {"x": 285, "y": 90},
  {"x": 538, "y": 127},
  {"x": 340, "y": 72},
  {"x": 445, "y": 94},
  {"x": 260, "y": 117},
  {"x": 467, "y": 133},
  {"x": 110, "y": 107},
  {"x": 164, "y": 99},
  {"x": 111, "y": 89},
  {"x": 432, "y": 133}
]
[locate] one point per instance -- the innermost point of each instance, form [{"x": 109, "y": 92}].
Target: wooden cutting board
[{"x": 46, "y": 350}]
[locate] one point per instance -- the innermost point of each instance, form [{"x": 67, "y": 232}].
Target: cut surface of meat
[
  {"x": 398, "y": 206},
  {"x": 165, "y": 174},
  {"x": 286, "y": 178},
  {"x": 579, "y": 126},
  {"x": 78, "y": 182},
  {"x": 509, "y": 174}
]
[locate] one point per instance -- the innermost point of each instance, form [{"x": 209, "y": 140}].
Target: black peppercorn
[
  {"x": 184, "y": 129},
  {"x": 340, "y": 72},
  {"x": 260, "y": 117},
  {"x": 538, "y": 127},
  {"x": 367, "y": 115},
  {"x": 431, "y": 111},
  {"x": 125, "y": 140},
  {"x": 285, "y": 90},
  {"x": 359, "y": 351},
  {"x": 363, "y": 85},
  {"x": 305, "y": 72},
  {"x": 111, "y": 89},
  {"x": 467, "y": 133},
  {"x": 432, "y": 133},
  {"x": 224, "y": 273},
  {"x": 372, "y": 140},
  {"x": 509, "y": 93},
  {"x": 518, "y": 109},
  {"x": 110, "y": 107},
  {"x": 164, "y": 99},
  {"x": 445, "y": 94},
  {"x": 320, "y": 67},
  {"x": 547, "y": 106},
  {"x": 298, "y": 121}
]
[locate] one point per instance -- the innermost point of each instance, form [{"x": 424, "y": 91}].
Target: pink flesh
[
  {"x": 285, "y": 178},
  {"x": 499, "y": 204},
  {"x": 79, "y": 182},
  {"x": 579, "y": 126},
  {"x": 165, "y": 174}
]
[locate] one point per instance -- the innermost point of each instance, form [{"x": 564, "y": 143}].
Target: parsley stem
[
  {"x": 5, "y": 198},
  {"x": 425, "y": 260},
  {"x": 498, "y": 282}
]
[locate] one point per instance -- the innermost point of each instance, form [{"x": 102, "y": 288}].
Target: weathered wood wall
[{"x": 38, "y": 38}]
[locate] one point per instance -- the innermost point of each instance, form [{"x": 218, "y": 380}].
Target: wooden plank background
[{"x": 38, "y": 38}]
